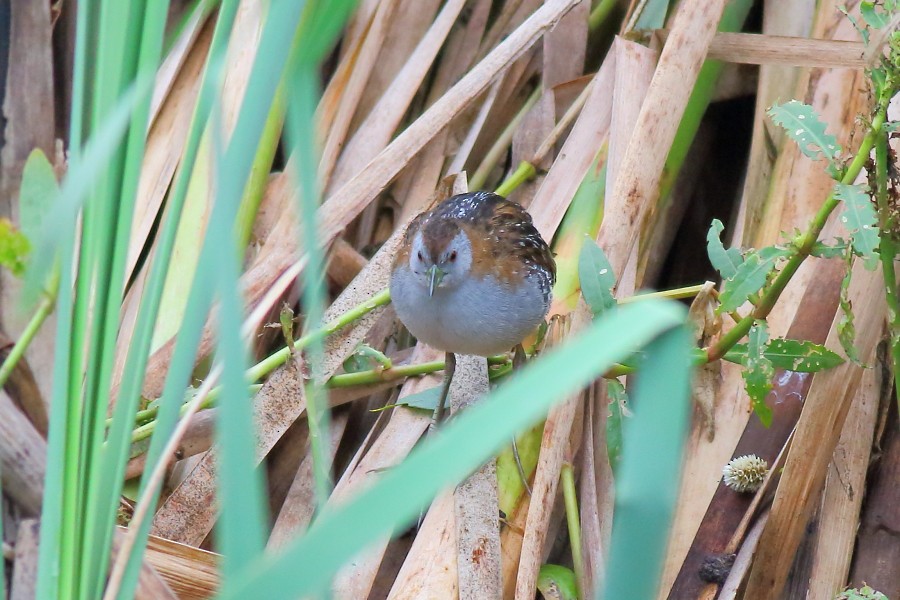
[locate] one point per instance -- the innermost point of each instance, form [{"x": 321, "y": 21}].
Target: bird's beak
[{"x": 435, "y": 275}]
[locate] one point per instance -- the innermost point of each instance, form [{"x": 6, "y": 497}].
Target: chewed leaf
[
  {"x": 874, "y": 18},
  {"x": 758, "y": 371},
  {"x": 557, "y": 583},
  {"x": 617, "y": 401},
  {"x": 836, "y": 250},
  {"x": 860, "y": 29},
  {"x": 793, "y": 355},
  {"x": 724, "y": 261},
  {"x": 861, "y": 221},
  {"x": 749, "y": 277},
  {"x": 14, "y": 248},
  {"x": 597, "y": 277},
  {"x": 846, "y": 329},
  {"x": 802, "y": 124}
]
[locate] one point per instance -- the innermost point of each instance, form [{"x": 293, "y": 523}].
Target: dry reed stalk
[
  {"x": 818, "y": 430},
  {"x": 374, "y": 134},
  {"x": 297, "y": 510},
  {"x": 193, "y": 574},
  {"x": 430, "y": 569},
  {"x": 165, "y": 141},
  {"x": 636, "y": 187},
  {"x": 596, "y": 493},
  {"x": 23, "y": 456},
  {"x": 174, "y": 61},
  {"x": 401, "y": 433},
  {"x": 25, "y": 562},
  {"x": 475, "y": 505},
  {"x": 786, "y": 50},
  {"x": 356, "y": 69},
  {"x": 557, "y": 431},
  {"x": 577, "y": 153},
  {"x": 791, "y": 18},
  {"x": 845, "y": 485}
]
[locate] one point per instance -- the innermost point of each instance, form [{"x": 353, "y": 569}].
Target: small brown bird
[{"x": 473, "y": 276}]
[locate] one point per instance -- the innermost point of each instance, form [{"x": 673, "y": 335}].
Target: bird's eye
[
  {"x": 452, "y": 256},
  {"x": 419, "y": 254}
]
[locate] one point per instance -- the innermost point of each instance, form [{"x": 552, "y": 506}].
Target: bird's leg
[
  {"x": 518, "y": 361},
  {"x": 449, "y": 368}
]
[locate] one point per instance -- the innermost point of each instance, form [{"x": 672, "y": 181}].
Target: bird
[{"x": 472, "y": 276}]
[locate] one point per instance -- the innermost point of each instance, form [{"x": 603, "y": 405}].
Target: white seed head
[{"x": 745, "y": 473}]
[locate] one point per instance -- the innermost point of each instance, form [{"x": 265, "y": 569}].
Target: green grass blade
[
  {"x": 647, "y": 479},
  {"x": 467, "y": 441}
]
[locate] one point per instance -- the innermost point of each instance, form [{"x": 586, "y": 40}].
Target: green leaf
[
  {"x": 726, "y": 262},
  {"x": 750, "y": 277},
  {"x": 758, "y": 371},
  {"x": 846, "y": 329},
  {"x": 802, "y": 124},
  {"x": 618, "y": 399},
  {"x": 836, "y": 250},
  {"x": 38, "y": 191},
  {"x": 862, "y": 31},
  {"x": 14, "y": 248},
  {"x": 861, "y": 221},
  {"x": 655, "y": 436},
  {"x": 873, "y": 17},
  {"x": 596, "y": 276},
  {"x": 653, "y": 15},
  {"x": 557, "y": 583},
  {"x": 802, "y": 356}
]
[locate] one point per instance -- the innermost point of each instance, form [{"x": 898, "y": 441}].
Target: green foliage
[
  {"x": 557, "y": 583},
  {"x": 596, "y": 276},
  {"x": 793, "y": 355},
  {"x": 873, "y": 14},
  {"x": 846, "y": 329},
  {"x": 836, "y": 250},
  {"x": 749, "y": 277},
  {"x": 863, "y": 593},
  {"x": 802, "y": 124},
  {"x": 397, "y": 498},
  {"x": 37, "y": 193},
  {"x": 861, "y": 221},
  {"x": 726, "y": 262},
  {"x": 618, "y": 401},
  {"x": 14, "y": 248},
  {"x": 758, "y": 371}
]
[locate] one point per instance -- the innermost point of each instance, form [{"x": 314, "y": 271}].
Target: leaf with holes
[
  {"x": 861, "y": 221},
  {"x": 874, "y": 18},
  {"x": 750, "y": 277},
  {"x": 597, "y": 277},
  {"x": 726, "y": 262},
  {"x": 758, "y": 371},
  {"x": 846, "y": 329},
  {"x": 793, "y": 355},
  {"x": 802, "y": 124},
  {"x": 836, "y": 250}
]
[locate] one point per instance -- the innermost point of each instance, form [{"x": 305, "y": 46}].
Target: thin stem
[
  {"x": 502, "y": 143},
  {"x": 887, "y": 250},
  {"x": 44, "y": 309},
  {"x": 804, "y": 246},
  {"x": 567, "y": 479},
  {"x": 674, "y": 294},
  {"x": 599, "y": 13},
  {"x": 523, "y": 173}
]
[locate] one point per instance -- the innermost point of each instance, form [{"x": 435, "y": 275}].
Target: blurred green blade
[
  {"x": 649, "y": 472},
  {"x": 465, "y": 443}
]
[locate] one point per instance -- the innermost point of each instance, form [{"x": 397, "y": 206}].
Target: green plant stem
[
  {"x": 804, "y": 245},
  {"x": 502, "y": 143},
  {"x": 887, "y": 250},
  {"x": 523, "y": 173},
  {"x": 44, "y": 309},
  {"x": 673, "y": 294},
  {"x": 381, "y": 375},
  {"x": 599, "y": 13},
  {"x": 567, "y": 479}
]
